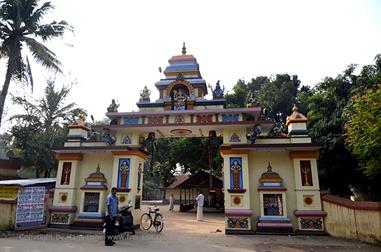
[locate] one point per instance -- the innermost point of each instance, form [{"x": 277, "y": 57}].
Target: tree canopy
[{"x": 41, "y": 128}]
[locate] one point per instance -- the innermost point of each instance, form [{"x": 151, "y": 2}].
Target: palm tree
[
  {"x": 20, "y": 26},
  {"x": 42, "y": 127}
]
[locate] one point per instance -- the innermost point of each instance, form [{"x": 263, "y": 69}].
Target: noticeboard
[{"x": 30, "y": 212}]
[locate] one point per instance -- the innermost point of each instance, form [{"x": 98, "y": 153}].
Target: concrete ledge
[
  {"x": 240, "y": 232},
  {"x": 309, "y": 213},
  {"x": 238, "y": 212}
]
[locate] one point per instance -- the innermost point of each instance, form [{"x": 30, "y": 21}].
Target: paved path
[{"x": 181, "y": 233}]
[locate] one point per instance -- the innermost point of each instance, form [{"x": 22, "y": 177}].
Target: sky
[{"x": 117, "y": 46}]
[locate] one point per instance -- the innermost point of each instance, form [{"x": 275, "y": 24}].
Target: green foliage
[
  {"x": 20, "y": 27},
  {"x": 190, "y": 154},
  {"x": 41, "y": 128},
  {"x": 237, "y": 99},
  {"x": 364, "y": 130},
  {"x": 276, "y": 94},
  {"x": 324, "y": 106}
]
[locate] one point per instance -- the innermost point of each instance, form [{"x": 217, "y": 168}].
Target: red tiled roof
[{"x": 178, "y": 180}]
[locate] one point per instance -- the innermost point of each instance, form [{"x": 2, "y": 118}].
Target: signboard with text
[{"x": 30, "y": 212}]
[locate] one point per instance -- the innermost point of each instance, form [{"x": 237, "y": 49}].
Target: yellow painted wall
[
  {"x": 7, "y": 216},
  {"x": 228, "y": 132},
  {"x": 283, "y": 165},
  {"x": 364, "y": 225},
  {"x": 88, "y": 165}
]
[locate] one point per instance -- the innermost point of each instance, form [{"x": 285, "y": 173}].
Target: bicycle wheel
[
  {"x": 159, "y": 223},
  {"x": 145, "y": 221}
]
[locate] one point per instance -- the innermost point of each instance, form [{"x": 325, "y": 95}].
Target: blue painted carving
[
  {"x": 253, "y": 135},
  {"x": 107, "y": 137},
  {"x": 236, "y": 182},
  {"x": 131, "y": 120},
  {"x": 218, "y": 92},
  {"x": 230, "y": 117}
]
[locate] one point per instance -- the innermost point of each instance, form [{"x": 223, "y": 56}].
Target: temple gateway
[{"x": 270, "y": 180}]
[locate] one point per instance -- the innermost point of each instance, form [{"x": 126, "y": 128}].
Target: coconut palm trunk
[{"x": 4, "y": 90}]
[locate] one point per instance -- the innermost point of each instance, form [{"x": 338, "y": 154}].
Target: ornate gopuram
[{"x": 270, "y": 173}]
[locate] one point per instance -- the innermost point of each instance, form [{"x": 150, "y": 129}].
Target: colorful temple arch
[{"x": 270, "y": 183}]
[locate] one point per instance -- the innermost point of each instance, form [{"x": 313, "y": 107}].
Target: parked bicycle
[{"x": 152, "y": 218}]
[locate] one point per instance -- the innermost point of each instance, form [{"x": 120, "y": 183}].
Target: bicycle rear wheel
[
  {"x": 145, "y": 221},
  {"x": 159, "y": 223}
]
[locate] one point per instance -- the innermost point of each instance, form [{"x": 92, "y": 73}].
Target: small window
[
  {"x": 91, "y": 202},
  {"x": 273, "y": 204}
]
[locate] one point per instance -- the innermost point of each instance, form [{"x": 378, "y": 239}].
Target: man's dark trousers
[{"x": 110, "y": 227}]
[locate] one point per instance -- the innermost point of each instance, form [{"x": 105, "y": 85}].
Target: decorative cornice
[
  {"x": 94, "y": 188},
  {"x": 130, "y": 153},
  {"x": 63, "y": 209},
  {"x": 304, "y": 154},
  {"x": 271, "y": 188},
  {"x": 69, "y": 156},
  {"x": 310, "y": 213},
  {"x": 236, "y": 190},
  {"x": 234, "y": 152},
  {"x": 238, "y": 212},
  {"x": 123, "y": 189}
]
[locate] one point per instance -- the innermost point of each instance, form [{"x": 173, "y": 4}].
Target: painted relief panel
[
  {"x": 272, "y": 205},
  {"x": 60, "y": 218},
  {"x": 234, "y": 138},
  {"x": 310, "y": 223},
  {"x": 236, "y": 182},
  {"x": 308, "y": 200},
  {"x": 91, "y": 202},
  {"x": 66, "y": 172},
  {"x": 239, "y": 223},
  {"x": 123, "y": 172},
  {"x": 237, "y": 201},
  {"x": 306, "y": 172}
]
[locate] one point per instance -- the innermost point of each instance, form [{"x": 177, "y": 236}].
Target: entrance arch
[{"x": 119, "y": 149}]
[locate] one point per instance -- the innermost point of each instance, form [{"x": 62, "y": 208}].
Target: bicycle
[{"x": 147, "y": 221}]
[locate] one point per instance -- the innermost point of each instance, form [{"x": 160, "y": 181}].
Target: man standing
[
  {"x": 200, "y": 205},
  {"x": 111, "y": 213},
  {"x": 171, "y": 202}
]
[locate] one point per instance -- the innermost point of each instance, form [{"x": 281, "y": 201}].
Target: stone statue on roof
[
  {"x": 218, "y": 93},
  {"x": 145, "y": 95},
  {"x": 113, "y": 106}
]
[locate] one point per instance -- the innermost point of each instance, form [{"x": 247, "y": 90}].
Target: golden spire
[
  {"x": 269, "y": 168},
  {"x": 295, "y": 108},
  {"x": 184, "y": 51}
]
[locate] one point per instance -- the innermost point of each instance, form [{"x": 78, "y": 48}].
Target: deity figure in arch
[
  {"x": 124, "y": 170},
  {"x": 179, "y": 99},
  {"x": 236, "y": 169}
]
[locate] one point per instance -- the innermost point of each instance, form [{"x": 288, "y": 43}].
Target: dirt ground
[{"x": 181, "y": 233}]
